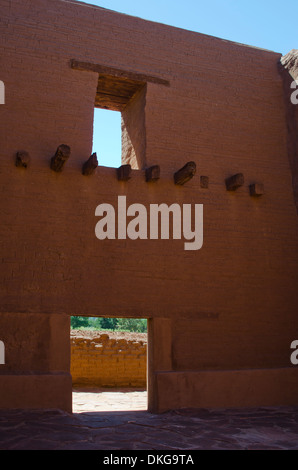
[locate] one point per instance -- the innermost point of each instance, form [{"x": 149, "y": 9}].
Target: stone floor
[{"x": 98, "y": 423}]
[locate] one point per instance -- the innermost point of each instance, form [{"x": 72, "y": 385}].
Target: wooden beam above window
[
  {"x": 116, "y": 87},
  {"x": 104, "y": 70}
]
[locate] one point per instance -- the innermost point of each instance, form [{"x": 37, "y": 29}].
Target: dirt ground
[{"x": 92, "y": 334}]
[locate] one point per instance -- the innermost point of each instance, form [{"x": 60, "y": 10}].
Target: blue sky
[{"x": 268, "y": 24}]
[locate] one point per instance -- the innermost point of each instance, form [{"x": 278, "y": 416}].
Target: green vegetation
[
  {"x": 109, "y": 324},
  {"x": 79, "y": 322}
]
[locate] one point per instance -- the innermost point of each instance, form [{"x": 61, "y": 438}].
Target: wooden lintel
[{"x": 114, "y": 72}]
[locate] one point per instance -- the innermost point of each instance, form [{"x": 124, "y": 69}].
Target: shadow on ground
[
  {"x": 139, "y": 430},
  {"x": 187, "y": 429}
]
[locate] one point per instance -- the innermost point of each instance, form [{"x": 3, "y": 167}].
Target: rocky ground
[{"x": 91, "y": 334}]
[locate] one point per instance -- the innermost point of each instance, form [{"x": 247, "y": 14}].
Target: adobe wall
[
  {"x": 230, "y": 306},
  {"x": 108, "y": 360}
]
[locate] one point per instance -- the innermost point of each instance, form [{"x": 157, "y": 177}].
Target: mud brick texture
[
  {"x": 100, "y": 360},
  {"x": 230, "y": 306}
]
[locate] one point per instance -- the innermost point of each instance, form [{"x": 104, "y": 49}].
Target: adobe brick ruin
[
  {"x": 108, "y": 359},
  {"x": 222, "y": 318}
]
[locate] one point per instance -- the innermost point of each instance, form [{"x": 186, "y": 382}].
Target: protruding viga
[
  {"x": 185, "y": 173},
  {"x": 90, "y": 165},
  {"x": 61, "y": 156},
  {"x": 22, "y": 159}
]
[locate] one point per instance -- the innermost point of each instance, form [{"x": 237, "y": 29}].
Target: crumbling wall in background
[{"x": 106, "y": 360}]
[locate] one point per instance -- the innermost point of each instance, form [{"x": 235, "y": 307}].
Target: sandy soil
[{"x": 91, "y": 334}]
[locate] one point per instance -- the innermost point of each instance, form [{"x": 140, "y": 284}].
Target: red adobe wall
[{"x": 231, "y": 306}]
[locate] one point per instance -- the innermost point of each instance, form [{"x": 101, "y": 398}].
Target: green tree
[
  {"x": 78, "y": 322},
  {"x": 132, "y": 324},
  {"x": 105, "y": 323}
]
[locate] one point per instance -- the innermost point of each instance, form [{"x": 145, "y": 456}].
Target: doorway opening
[{"x": 109, "y": 364}]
